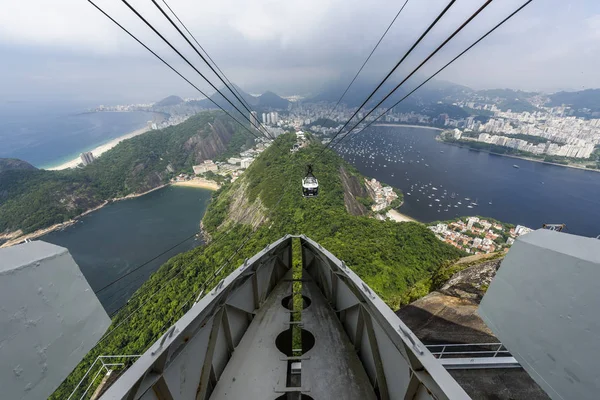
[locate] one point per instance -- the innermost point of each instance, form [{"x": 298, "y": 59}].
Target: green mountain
[
  {"x": 169, "y": 101},
  {"x": 264, "y": 102},
  {"x": 264, "y": 204},
  {"x": 7, "y": 164},
  {"x": 508, "y": 99},
  {"x": 589, "y": 98},
  {"x": 271, "y": 100},
  {"x": 32, "y": 199}
]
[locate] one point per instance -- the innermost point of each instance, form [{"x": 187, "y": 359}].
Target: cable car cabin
[{"x": 310, "y": 185}]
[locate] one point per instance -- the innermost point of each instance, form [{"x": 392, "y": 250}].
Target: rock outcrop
[{"x": 353, "y": 189}]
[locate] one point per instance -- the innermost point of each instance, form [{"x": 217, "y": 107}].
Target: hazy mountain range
[{"x": 433, "y": 92}]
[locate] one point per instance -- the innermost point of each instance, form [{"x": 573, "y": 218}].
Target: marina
[{"x": 461, "y": 182}]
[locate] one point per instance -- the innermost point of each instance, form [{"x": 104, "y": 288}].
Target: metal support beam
[
  {"x": 379, "y": 370},
  {"x": 210, "y": 351},
  {"x": 227, "y": 331},
  {"x": 161, "y": 390}
]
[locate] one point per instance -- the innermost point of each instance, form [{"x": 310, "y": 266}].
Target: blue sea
[
  {"x": 116, "y": 239},
  {"x": 439, "y": 176},
  {"x": 49, "y": 134}
]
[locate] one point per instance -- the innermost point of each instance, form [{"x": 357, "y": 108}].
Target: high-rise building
[
  {"x": 274, "y": 117},
  {"x": 87, "y": 158},
  {"x": 268, "y": 119},
  {"x": 264, "y": 118}
]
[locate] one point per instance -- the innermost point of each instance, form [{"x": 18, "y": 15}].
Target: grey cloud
[{"x": 69, "y": 49}]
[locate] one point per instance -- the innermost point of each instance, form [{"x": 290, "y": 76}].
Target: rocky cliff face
[
  {"x": 243, "y": 212},
  {"x": 449, "y": 314},
  {"x": 353, "y": 188},
  {"x": 208, "y": 146},
  {"x": 471, "y": 283}
]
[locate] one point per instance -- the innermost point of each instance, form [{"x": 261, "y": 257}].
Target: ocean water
[
  {"x": 531, "y": 195},
  {"x": 114, "y": 240},
  {"x": 49, "y": 134}
]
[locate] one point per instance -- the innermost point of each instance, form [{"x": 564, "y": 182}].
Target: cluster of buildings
[
  {"x": 569, "y": 136},
  {"x": 173, "y": 119},
  {"x": 477, "y": 235},
  {"x": 234, "y": 166},
  {"x": 580, "y": 150},
  {"x": 300, "y": 142},
  {"x": 270, "y": 118},
  {"x": 383, "y": 196}
]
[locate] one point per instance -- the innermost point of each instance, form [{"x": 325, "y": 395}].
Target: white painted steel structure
[
  {"x": 543, "y": 305},
  {"x": 223, "y": 347},
  {"x": 49, "y": 319}
]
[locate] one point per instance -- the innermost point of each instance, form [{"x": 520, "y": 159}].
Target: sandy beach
[
  {"x": 398, "y": 217},
  {"x": 409, "y": 126},
  {"x": 199, "y": 183},
  {"x": 98, "y": 151}
]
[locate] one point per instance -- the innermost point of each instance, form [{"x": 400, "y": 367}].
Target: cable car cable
[
  {"x": 140, "y": 16},
  {"x": 435, "y": 21},
  {"x": 444, "y": 43},
  {"x": 126, "y": 318},
  {"x": 264, "y": 130},
  {"x": 205, "y": 52},
  {"x": 366, "y": 61},
  {"x": 444, "y": 67},
  {"x": 170, "y": 67}
]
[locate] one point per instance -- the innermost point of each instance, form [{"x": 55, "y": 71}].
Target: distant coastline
[
  {"x": 102, "y": 147},
  {"x": 17, "y": 237},
  {"x": 408, "y": 126},
  {"x": 537, "y": 160},
  {"x": 99, "y": 150}
]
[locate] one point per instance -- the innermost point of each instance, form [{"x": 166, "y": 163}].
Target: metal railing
[
  {"x": 102, "y": 363},
  {"x": 469, "y": 350}
]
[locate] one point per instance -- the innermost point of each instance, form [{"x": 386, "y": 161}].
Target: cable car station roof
[{"x": 232, "y": 343}]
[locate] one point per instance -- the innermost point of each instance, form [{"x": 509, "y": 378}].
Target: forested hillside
[
  {"x": 260, "y": 207},
  {"x": 31, "y": 199}
]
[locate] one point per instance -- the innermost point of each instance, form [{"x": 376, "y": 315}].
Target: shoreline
[
  {"x": 519, "y": 157},
  {"x": 399, "y": 217},
  {"x": 19, "y": 238},
  {"x": 409, "y": 126},
  {"x": 99, "y": 150},
  {"x": 198, "y": 183},
  {"x": 16, "y": 237}
]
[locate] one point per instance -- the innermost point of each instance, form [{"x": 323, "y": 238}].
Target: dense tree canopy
[
  {"x": 31, "y": 199},
  {"x": 389, "y": 256}
]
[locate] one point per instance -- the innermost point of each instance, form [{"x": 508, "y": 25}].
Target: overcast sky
[{"x": 65, "y": 49}]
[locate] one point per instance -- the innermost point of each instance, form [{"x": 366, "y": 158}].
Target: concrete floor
[{"x": 258, "y": 370}]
